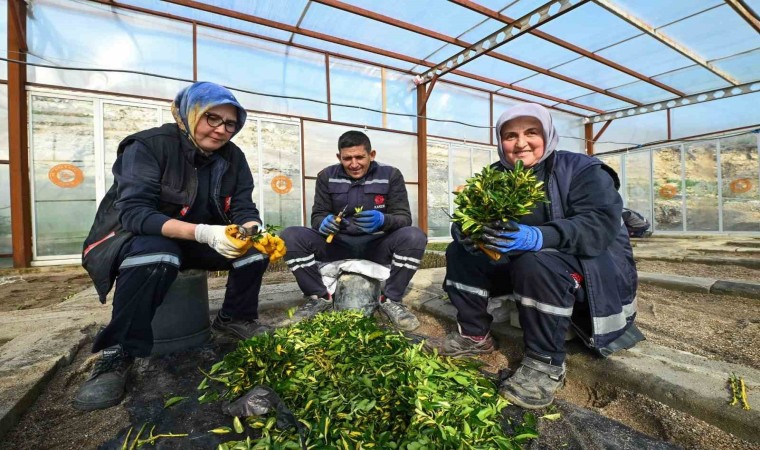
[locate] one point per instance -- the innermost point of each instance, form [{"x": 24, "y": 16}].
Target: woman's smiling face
[{"x": 522, "y": 138}]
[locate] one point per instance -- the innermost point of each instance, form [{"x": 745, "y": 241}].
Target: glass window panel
[
  {"x": 740, "y": 187},
  {"x": 120, "y": 121},
  {"x": 692, "y": 79},
  {"x": 460, "y": 166},
  {"x": 478, "y": 32},
  {"x": 333, "y": 22},
  {"x": 594, "y": 73},
  {"x": 716, "y": 115},
  {"x": 744, "y": 68},
  {"x": 698, "y": 33},
  {"x": 448, "y": 102},
  {"x": 321, "y": 146},
  {"x": 356, "y": 84},
  {"x": 601, "y": 101},
  {"x": 582, "y": 112},
  {"x": 412, "y": 191},
  {"x": 401, "y": 97},
  {"x": 701, "y": 179},
  {"x": 448, "y": 19},
  {"x": 350, "y": 51},
  {"x": 646, "y": 55},
  {"x": 63, "y": 162},
  {"x": 166, "y": 116},
  {"x": 500, "y": 106},
  {"x": 614, "y": 162},
  {"x": 248, "y": 141},
  {"x": 643, "y": 92},
  {"x": 552, "y": 86},
  {"x": 3, "y": 38},
  {"x": 656, "y": 13},
  {"x": 667, "y": 185},
  {"x": 6, "y": 245},
  {"x": 496, "y": 69},
  {"x": 570, "y": 130},
  {"x": 637, "y": 186},
  {"x": 135, "y": 42},
  {"x": 470, "y": 82},
  {"x": 4, "y": 148},
  {"x": 281, "y": 154},
  {"x": 443, "y": 52},
  {"x": 268, "y": 9},
  {"x": 600, "y": 28},
  {"x": 631, "y": 131},
  {"x": 537, "y": 51},
  {"x": 310, "y": 188},
  {"x": 268, "y": 68},
  {"x": 218, "y": 19},
  {"x": 438, "y": 189}
]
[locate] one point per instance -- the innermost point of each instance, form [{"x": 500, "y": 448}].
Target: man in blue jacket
[
  {"x": 567, "y": 263},
  {"x": 179, "y": 190},
  {"x": 376, "y": 226}
]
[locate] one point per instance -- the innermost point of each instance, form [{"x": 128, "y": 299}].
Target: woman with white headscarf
[{"x": 566, "y": 264}]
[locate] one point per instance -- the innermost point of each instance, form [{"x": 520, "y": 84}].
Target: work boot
[
  {"x": 313, "y": 306},
  {"x": 107, "y": 383},
  {"x": 238, "y": 328},
  {"x": 399, "y": 315},
  {"x": 534, "y": 383},
  {"x": 454, "y": 344}
]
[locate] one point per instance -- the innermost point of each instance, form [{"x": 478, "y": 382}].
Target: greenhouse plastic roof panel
[{"x": 585, "y": 55}]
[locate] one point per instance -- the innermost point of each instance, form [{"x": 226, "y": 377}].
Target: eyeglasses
[{"x": 214, "y": 121}]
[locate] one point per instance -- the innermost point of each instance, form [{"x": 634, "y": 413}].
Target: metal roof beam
[
  {"x": 455, "y": 41},
  {"x": 567, "y": 45},
  {"x": 533, "y": 19},
  {"x": 716, "y": 94},
  {"x": 651, "y": 31},
  {"x": 746, "y": 13},
  {"x": 368, "y": 48}
]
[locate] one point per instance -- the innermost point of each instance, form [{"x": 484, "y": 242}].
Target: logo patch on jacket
[
  {"x": 379, "y": 200},
  {"x": 227, "y": 203}
]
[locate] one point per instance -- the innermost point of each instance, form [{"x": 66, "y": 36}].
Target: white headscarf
[{"x": 529, "y": 110}]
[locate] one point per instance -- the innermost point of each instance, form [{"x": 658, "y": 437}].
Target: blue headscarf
[{"x": 193, "y": 101}]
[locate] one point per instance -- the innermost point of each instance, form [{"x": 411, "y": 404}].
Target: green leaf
[
  {"x": 237, "y": 425},
  {"x": 174, "y": 401}
]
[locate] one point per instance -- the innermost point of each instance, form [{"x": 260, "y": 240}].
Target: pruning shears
[{"x": 338, "y": 218}]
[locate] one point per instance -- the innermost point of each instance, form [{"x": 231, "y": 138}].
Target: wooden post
[
  {"x": 589, "y": 135},
  {"x": 21, "y": 217},
  {"x": 422, "y": 97}
]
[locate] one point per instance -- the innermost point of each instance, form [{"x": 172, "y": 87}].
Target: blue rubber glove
[
  {"x": 465, "y": 241},
  {"x": 519, "y": 237},
  {"x": 329, "y": 225},
  {"x": 369, "y": 221}
]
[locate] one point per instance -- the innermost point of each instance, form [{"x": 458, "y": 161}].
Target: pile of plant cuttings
[{"x": 353, "y": 385}]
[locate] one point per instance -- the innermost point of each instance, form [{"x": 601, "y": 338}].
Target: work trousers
[
  {"x": 148, "y": 265},
  {"x": 547, "y": 287},
  {"x": 401, "y": 249}
]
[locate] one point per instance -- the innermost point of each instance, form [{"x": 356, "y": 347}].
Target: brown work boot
[{"x": 533, "y": 384}]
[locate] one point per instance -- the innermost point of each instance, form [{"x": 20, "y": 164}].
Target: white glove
[{"x": 217, "y": 238}]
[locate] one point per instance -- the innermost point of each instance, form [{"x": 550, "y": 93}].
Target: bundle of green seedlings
[
  {"x": 355, "y": 385},
  {"x": 496, "y": 196},
  {"x": 738, "y": 391}
]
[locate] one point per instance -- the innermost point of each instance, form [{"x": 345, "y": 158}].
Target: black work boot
[
  {"x": 534, "y": 383},
  {"x": 107, "y": 383},
  {"x": 454, "y": 344},
  {"x": 237, "y": 328}
]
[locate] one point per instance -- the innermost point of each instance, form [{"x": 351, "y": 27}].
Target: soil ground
[{"x": 718, "y": 327}]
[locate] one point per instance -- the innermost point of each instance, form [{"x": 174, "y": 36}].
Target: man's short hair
[{"x": 353, "y": 139}]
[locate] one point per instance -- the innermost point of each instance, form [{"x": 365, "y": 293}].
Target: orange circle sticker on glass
[
  {"x": 668, "y": 191},
  {"x": 741, "y": 185},
  {"x": 281, "y": 184},
  {"x": 66, "y": 175}
]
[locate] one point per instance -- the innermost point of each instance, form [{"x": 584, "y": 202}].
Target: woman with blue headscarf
[
  {"x": 566, "y": 264},
  {"x": 176, "y": 190}
]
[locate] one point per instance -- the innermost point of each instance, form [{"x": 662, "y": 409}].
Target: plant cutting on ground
[
  {"x": 494, "y": 196},
  {"x": 354, "y": 385}
]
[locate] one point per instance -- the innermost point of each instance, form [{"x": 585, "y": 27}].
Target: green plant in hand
[{"x": 495, "y": 196}]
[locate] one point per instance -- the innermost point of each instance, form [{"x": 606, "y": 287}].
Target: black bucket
[
  {"x": 182, "y": 320},
  {"x": 356, "y": 291}
]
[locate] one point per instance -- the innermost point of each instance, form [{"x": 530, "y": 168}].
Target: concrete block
[
  {"x": 677, "y": 282},
  {"x": 742, "y": 289}
]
